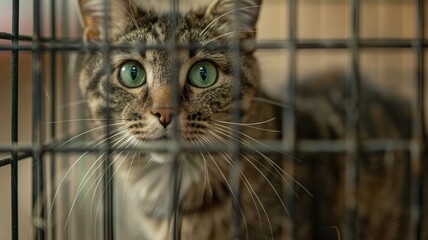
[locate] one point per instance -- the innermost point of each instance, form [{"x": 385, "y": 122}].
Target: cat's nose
[{"x": 164, "y": 114}]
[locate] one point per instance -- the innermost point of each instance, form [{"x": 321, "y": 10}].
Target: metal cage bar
[
  {"x": 38, "y": 163},
  {"x": 418, "y": 128},
  {"x": 107, "y": 193},
  {"x": 65, "y": 114},
  {"x": 352, "y": 126},
  {"x": 289, "y": 112},
  {"x": 52, "y": 163},
  {"x": 172, "y": 47},
  {"x": 235, "y": 151},
  {"x": 14, "y": 122}
]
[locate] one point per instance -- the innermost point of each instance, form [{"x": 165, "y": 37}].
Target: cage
[{"x": 360, "y": 42}]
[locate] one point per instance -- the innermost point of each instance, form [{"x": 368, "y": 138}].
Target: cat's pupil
[
  {"x": 203, "y": 72},
  {"x": 134, "y": 72}
]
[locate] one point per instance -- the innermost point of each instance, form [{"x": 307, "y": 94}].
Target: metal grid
[{"x": 352, "y": 145}]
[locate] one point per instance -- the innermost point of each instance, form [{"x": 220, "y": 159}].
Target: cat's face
[{"x": 144, "y": 85}]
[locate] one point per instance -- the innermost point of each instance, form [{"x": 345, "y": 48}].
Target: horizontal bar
[
  {"x": 8, "y": 36},
  {"x": 77, "y": 45},
  {"x": 318, "y": 146},
  {"x": 7, "y": 161}
]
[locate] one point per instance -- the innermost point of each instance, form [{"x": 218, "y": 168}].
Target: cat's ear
[
  {"x": 93, "y": 16},
  {"x": 235, "y": 16}
]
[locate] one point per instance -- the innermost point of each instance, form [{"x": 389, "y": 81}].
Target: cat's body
[{"x": 144, "y": 112}]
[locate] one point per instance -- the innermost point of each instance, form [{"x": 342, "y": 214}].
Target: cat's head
[{"x": 144, "y": 83}]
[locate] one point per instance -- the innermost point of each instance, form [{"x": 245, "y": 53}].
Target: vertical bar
[
  {"x": 107, "y": 165},
  {"x": 175, "y": 177},
  {"x": 352, "y": 127},
  {"x": 37, "y": 171},
  {"x": 237, "y": 167},
  {"x": 14, "y": 120},
  {"x": 53, "y": 117},
  {"x": 288, "y": 113},
  {"x": 65, "y": 93},
  {"x": 418, "y": 128}
]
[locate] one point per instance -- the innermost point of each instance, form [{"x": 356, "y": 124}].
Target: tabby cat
[{"x": 142, "y": 86}]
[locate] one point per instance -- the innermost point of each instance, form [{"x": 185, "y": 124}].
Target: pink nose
[{"x": 164, "y": 114}]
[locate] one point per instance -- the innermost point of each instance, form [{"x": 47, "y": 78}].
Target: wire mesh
[{"x": 352, "y": 145}]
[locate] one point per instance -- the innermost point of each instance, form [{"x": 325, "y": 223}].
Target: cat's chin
[{"x": 161, "y": 157}]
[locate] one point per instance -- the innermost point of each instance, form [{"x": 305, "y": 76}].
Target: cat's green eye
[
  {"x": 203, "y": 74},
  {"x": 132, "y": 74}
]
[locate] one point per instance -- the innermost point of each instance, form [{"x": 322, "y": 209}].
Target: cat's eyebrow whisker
[
  {"x": 206, "y": 42},
  {"x": 225, "y": 14},
  {"x": 131, "y": 15}
]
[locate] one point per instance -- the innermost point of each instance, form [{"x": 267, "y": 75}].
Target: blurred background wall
[{"x": 393, "y": 70}]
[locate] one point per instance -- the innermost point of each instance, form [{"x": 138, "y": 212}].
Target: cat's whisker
[
  {"x": 275, "y": 103},
  {"x": 207, "y": 176},
  {"x": 99, "y": 165},
  {"x": 226, "y": 181},
  {"x": 276, "y": 170},
  {"x": 73, "y": 104},
  {"x": 252, "y": 189},
  {"x": 247, "y": 124},
  {"x": 265, "y": 157},
  {"x": 100, "y": 177},
  {"x": 115, "y": 171},
  {"x": 74, "y": 164},
  {"x": 225, "y": 156},
  {"x": 251, "y": 125},
  {"x": 206, "y": 42},
  {"x": 236, "y": 132},
  {"x": 223, "y": 15},
  {"x": 246, "y": 143},
  {"x": 129, "y": 170},
  {"x": 81, "y": 186},
  {"x": 231, "y": 191},
  {"x": 88, "y": 131},
  {"x": 100, "y": 160},
  {"x": 83, "y": 120}
]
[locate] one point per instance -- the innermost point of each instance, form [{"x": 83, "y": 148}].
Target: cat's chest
[
  {"x": 144, "y": 194},
  {"x": 149, "y": 185}
]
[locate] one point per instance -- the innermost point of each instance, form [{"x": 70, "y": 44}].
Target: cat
[{"x": 142, "y": 86}]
